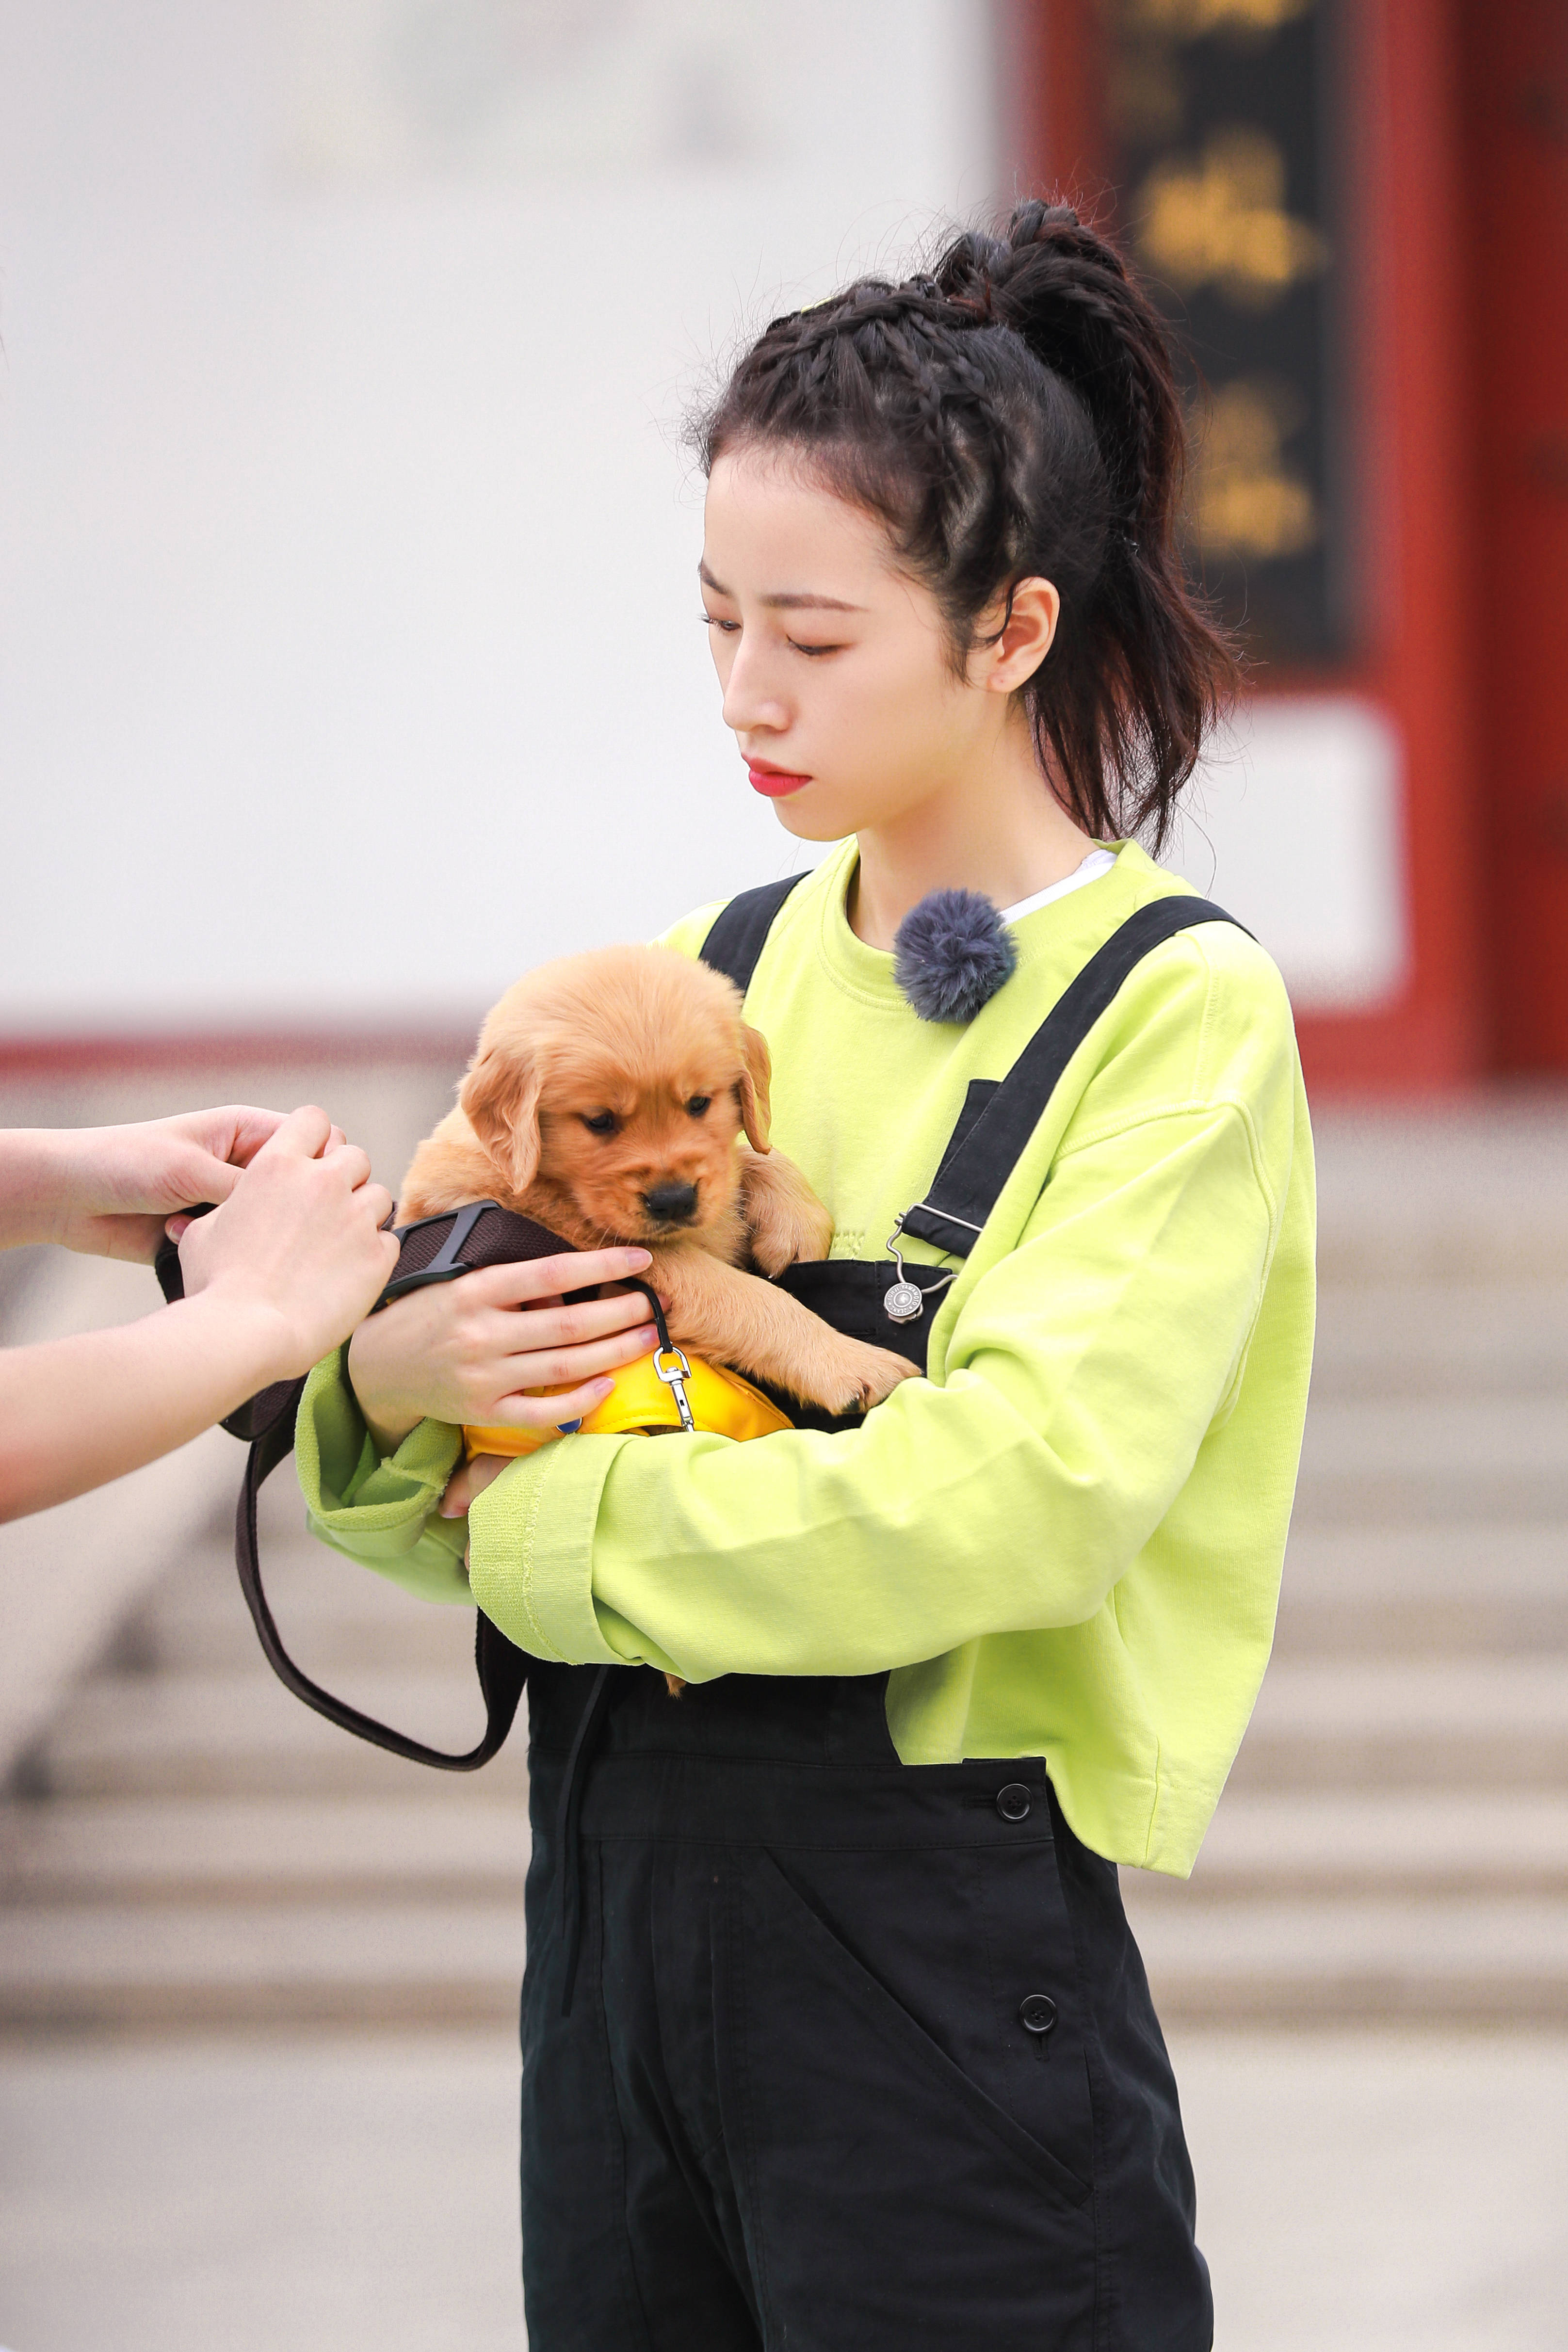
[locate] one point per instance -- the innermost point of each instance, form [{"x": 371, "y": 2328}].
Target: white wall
[
  {"x": 350, "y": 652},
  {"x": 349, "y": 658}
]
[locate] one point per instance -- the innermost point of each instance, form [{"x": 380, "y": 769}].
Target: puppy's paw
[
  {"x": 785, "y": 1221},
  {"x": 876, "y": 1372}
]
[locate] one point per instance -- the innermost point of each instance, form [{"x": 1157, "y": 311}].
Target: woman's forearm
[
  {"x": 76, "y": 1412},
  {"x": 32, "y": 1186},
  {"x": 79, "y": 1412}
]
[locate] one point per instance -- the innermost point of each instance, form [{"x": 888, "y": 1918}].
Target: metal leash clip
[
  {"x": 904, "y": 1301},
  {"x": 675, "y": 1376}
]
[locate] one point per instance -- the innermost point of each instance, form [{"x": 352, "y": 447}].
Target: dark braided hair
[{"x": 1014, "y": 415}]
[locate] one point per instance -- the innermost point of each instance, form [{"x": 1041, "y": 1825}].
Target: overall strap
[
  {"x": 999, "y": 1116},
  {"x": 740, "y": 929}
]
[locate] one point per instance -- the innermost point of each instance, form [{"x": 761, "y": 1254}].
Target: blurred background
[{"x": 349, "y": 664}]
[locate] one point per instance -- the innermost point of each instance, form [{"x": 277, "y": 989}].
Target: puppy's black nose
[{"x": 672, "y": 1204}]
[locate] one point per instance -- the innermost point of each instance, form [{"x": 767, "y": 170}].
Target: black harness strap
[
  {"x": 433, "y": 1249},
  {"x": 995, "y": 1128},
  {"x": 503, "y": 1669},
  {"x": 740, "y": 931}
]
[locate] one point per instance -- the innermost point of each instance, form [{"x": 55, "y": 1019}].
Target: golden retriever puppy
[{"x": 619, "y": 1096}]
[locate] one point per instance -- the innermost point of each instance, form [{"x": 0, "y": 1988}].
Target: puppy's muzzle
[{"x": 672, "y": 1204}]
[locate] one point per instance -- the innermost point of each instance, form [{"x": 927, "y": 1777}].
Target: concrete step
[
  {"x": 1297, "y": 1960},
  {"x": 332, "y": 1615},
  {"x": 94, "y": 1966},
  {"x": 1451, "y": 1191},
  {"x": 242, "y": 1734},
  {"x": 1394, "y": 1461},
  {"x": 1408, "y": 1723},
  {"x": 1463, "y": 1340},
  {"x": 433, "y": 1844},
  {"x": 1418, "y": 1591},
  {"x": 1348, "y": 1843}
]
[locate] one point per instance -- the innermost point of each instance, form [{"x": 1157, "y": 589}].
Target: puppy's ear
[
  {"x": 755, "y": 1079},
  {"x": 500, "y": 1098}
]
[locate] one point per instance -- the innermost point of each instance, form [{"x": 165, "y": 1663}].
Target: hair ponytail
[{"x": 1015, "y": 415}]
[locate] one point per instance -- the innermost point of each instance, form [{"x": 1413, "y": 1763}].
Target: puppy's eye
[
  {"x": 698, "y": 1105},
  {"x": 604, "y": 1122}
]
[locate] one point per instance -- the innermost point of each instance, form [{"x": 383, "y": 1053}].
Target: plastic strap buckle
[{"x": 446, "y": 1265}]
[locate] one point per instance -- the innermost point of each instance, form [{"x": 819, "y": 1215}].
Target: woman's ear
[
  {"x": 755, "y": 1079},
  {"x": 1017, "y": 637},
  {"x": 499, "y": 1098}
]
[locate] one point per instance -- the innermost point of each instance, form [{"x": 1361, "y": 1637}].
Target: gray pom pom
[{"x": 951, "y": 953}]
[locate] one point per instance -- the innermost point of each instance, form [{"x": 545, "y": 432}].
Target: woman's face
[{"x": 834, "y": 665}]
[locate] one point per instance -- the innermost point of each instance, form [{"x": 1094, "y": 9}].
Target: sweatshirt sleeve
[
  {"x": 381, "y": 1513},
  {"x": 1081, "y": 1374}
]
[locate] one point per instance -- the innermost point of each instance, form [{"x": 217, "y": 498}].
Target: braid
[{"x": 1015, "y": 413}]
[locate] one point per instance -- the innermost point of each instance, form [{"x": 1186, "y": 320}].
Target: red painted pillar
[{"x": 1400, "y": 107}]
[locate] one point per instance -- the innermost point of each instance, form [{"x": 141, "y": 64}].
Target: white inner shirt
[{"x": 1098, "y": 862}]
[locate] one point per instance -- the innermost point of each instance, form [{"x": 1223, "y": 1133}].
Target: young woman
[{"x": 834, "y": 2031}]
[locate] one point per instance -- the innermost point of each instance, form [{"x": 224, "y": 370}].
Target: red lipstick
[{"x": 776, "y": 783}]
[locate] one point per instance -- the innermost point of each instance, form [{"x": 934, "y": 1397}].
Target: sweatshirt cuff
[
  {"x": 531, "y": 1550},
  {"x": 349, "y": 1493}
]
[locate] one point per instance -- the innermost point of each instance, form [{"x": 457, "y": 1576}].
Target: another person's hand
[
  {"x": 275, "y": 1276},
  {"x": 108, "y": 1190},
  {"x": 296, "y": 1251},
  {"x": 469, "y": 1479},
  {"x": 460, "y": 1351}
]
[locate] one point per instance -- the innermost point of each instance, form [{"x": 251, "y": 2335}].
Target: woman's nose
[{"x": 749, "y": 698}]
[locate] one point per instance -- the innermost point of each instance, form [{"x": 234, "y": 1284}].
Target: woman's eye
[
  {"x": 796, "y": 647},
  {"x": 698, "y": 1105},
  {"x": 603, "y": 1122},
  {"x": 713, "y": 620}
]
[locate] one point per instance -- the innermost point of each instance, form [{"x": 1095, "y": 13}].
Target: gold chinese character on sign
[
  {"x": 1222, "y": 221},
  {"x": 1190, "y": 20},
  {"x": 1246, "y": 498}
]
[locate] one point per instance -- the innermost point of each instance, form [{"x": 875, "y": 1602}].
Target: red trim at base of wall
[{"x": 227, "y": 1049}]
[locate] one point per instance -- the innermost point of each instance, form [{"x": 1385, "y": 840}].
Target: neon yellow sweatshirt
[{"x": 1065, "y": 1540}]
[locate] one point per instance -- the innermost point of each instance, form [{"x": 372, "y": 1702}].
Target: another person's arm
[{"x": 281, "y": 1271}]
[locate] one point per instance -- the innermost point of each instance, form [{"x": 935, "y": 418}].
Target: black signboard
[{"x": 1223, "y": 115}]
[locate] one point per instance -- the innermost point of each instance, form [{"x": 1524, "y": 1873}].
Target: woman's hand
[
  {"x": 297, "y": 1252},
  {"x": 460, "y": 1351},
  {"x": 469, "y": 1479},
  {"x": 275, "y": 1276},
  {"x": 108, "y": 1190}
]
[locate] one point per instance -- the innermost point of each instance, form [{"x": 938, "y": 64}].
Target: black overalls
[{"x": 821, "y": 2050}]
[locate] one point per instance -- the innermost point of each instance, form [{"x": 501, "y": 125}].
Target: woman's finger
[
  {"x": 553, "y": 1367},
  {"x": 350, "y": 1160},
  {"x": 471, "y": 1479},
  {"x": 539, "y": 1277},
  {"x": 377, "y": 1202},
  {"x": 511, "y": 1335},
  {"x": 303, "y": 1135}
]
